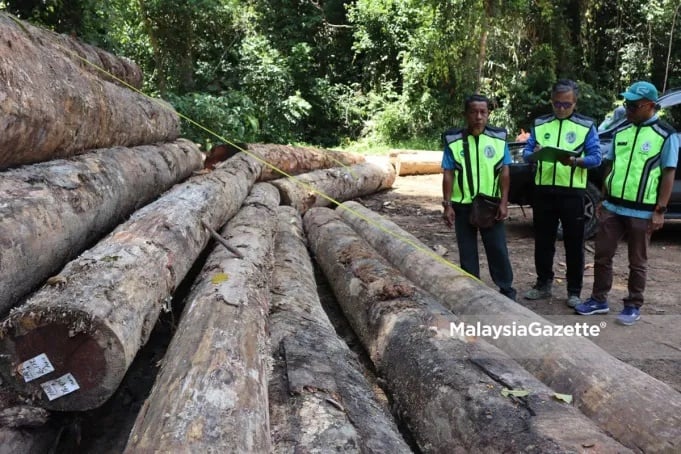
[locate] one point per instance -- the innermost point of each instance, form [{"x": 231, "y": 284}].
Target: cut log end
[{"x": 80, "y": 367}]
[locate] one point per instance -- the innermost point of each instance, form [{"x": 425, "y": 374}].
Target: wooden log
[
  {"x": 638, "y": 410},
  {"x": 447, "y": 387},
  {"x": 88, "y": 57},
  {"x": 27, "y": 440},
  {"x": 50, "y": 212},
  {"x": 417, "y": 162},
  {"x": 211, "y": 392},
  {"x": 319, "y": 399},
  {"x": 94, "y": 322},
  {"x": 52, "y": 108},
  {"x": 296, "y": 160},
  {"x": 328, "y": 186}
]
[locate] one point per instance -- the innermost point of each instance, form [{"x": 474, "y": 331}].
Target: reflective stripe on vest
[
  {"x": 487, "y": 156},
  {"x": 635, "y": 176},
  {"x": 569, "y": 134}
]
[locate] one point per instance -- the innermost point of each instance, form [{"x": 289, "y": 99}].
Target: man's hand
[
  {"x": 502, "y": 212},
  {"x": 448, "y": 216},
  {"x": 599, "y": 211},
  {"x": 656, "y": 222},
  {"x": 566, "y": 161}
]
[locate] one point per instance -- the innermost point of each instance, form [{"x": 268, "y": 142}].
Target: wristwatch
[
  {"x": 446, "y": 203},
  {"x": 659, "y": 209}
]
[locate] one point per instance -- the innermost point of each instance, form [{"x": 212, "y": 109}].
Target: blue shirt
[
  {"x": 448, "y": 159},
  {"x": 668, "y": 158},
  {"x": 592, "y": 148}
]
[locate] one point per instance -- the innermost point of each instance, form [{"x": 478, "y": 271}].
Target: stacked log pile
[{"x": 255, "y": 364}]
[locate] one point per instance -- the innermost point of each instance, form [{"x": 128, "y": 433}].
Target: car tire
[{"x": 592, "y": 197}]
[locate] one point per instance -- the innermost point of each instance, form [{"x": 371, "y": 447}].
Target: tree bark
[
  {"x": 328, "y": 186},
  {"x": 52, "y": 108},
  {"x": 449, "y": 388},
  {"x": 638, "y": 410},
  {"x": 211, "y": 393},
  {"x": 319, "y": 399},
  {"x": 89, "y": 58},
  {"x": 50, "y": 212},
  {"x": 296, "y": 160},
  {"x": 417, "y": 162},
  {"x": 92, "y": 323},
  {"x": 26, "y": 441}
]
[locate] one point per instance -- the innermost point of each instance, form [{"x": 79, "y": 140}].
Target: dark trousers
[
  {"x": 611, "y": 229},
  {"x": 548, "y": 209},
  {"x": 494, "y": 241}
]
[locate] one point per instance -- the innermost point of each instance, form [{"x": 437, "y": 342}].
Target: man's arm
[{"x": 592, "y": 151}]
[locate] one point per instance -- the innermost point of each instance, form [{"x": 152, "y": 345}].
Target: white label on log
[
  {"x": 36, "y": 367},
  {"x": 61, "y": 386}
]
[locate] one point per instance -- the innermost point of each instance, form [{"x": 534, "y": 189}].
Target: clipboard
[{"x": 552, "y": 154}]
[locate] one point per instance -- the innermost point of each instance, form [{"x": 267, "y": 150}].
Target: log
[
  {"x": 638, "y": 410},
  {"x": 211, "y": 392},
  {"x": 89, "y": 58},
  {"x": 447, "y": 387},
  {"x": 93, "y": 323},
  {"x": 417, "y": 162},
  {"x": 52, "y": 108},
  {"x": 331, "y": 186},
  {"x": 319, "y": 399},
  {"x": 285, "y": 160},
  {"x": 50, "y": 212},
  {"x": 27, "y": 441}
]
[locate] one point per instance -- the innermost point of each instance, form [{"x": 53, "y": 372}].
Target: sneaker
[
  {"x": 573, "y": 301},
  {"x": 591, "y": 307},
  {"x": 538, "y": 293},
  {"x": 629, "y": 315}
]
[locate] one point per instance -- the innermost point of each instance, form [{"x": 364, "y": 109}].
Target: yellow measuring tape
[{"x": 310, "y": 188}]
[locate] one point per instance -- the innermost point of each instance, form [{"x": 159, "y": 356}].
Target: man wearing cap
[{"x": 639, "y": 176}]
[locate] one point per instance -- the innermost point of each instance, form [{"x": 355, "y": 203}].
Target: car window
[{"x": 672, "y": 115}]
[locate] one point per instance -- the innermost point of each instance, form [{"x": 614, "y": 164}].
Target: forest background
[{"x": 372, "y": 73}]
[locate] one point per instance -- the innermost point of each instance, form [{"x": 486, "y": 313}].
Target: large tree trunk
[
  {"x": 296, "y": 160},
  {"x": 52, "y": 108},
  {"x": 417, "y": 162},
  {"x": 50, "y": 212},
  {"x": 319, "y": 399},
  {"x": 93, "y": 320},
  {"x": 638, "y": 410},
  {"x": 211, "y": 393},
  {"x": 324, "y": 187},
  {"x": 448, "y": 388},
  {"x": 90, "y": 58}
]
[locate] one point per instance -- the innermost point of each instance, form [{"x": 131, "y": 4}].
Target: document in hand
[{"x": 552, "y": 154}]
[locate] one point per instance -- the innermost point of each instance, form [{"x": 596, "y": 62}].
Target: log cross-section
[{"x": 93, "y": 322}]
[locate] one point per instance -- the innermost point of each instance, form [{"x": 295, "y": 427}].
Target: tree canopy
[{"x": 329, "y": 72}]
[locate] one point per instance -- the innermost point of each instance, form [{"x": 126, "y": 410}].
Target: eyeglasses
[
  {"x": 562, "y": 105},
  {"x": 632, "y": 106}
]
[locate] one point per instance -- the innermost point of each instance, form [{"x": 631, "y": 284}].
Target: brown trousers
[{"x": 612, "y": 228}]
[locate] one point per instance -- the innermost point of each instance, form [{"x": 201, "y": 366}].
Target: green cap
[{"x": 640, "y": 90}]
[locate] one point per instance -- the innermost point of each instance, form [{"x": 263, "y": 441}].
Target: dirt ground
[{"x": 653, "y": 344}]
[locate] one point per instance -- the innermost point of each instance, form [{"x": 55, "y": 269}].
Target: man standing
[
  {"x": 475, "y": 161},
  {"x": 559, "y": 189},
  {"x": 638, "y": 183}
]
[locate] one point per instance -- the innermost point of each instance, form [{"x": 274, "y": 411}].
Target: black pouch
[{"x": 484, "y": 211}]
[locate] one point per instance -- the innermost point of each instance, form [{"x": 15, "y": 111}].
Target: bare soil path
[{"x": 653, "y": 344}]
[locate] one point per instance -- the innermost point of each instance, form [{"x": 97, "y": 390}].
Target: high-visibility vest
[
  {"x": 486, "y": 154},
  {"x": 635, "y": 176},
  {"x": 568, "y": 134}
]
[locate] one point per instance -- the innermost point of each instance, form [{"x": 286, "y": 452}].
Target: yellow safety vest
[
  {"x": 635, "y": 176},
  {"x": 569, "y": 134},
  {"x": 486, "y": 154}
]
